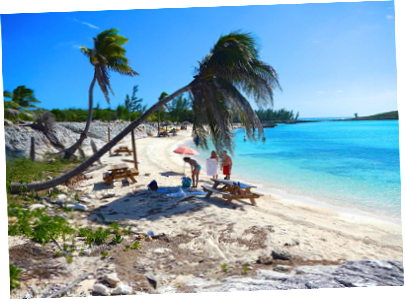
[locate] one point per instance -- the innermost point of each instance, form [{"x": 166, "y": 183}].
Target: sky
[{"x": 332, "y": 59}]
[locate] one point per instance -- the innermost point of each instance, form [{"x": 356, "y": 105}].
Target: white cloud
[
  {"x": 339, "y": 91},
  {"x": 90, "y": 25},
  {"x": 389, "y": 17},
  {"x": 86, "y": 23}
]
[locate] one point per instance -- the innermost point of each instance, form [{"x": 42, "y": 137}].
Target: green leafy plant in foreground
[
  {"x": 98, "y": 237},
  {"x": 14, "y": 275},
  {"x": 117, "y": 239},
  {"x": 38, "y": 226},
  {"x": 136, "y": 245},
  {"x": 224, "y": 267},
  {"x": 245, "y": 269},
  {"x": 104, "y": 254},
  {"x": 114, "y": 227}
]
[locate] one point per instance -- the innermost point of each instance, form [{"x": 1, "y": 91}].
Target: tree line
[{"x": 21, "y": 105}]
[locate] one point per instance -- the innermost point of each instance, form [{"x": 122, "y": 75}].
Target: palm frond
[
  {"x": 232, "y": 67},
  {"x": 108, "y": 54},
  {"x": 103, "y": 81},
  {"x": 242, "y": 107}
]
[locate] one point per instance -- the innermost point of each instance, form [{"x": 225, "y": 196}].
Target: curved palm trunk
[
  {"x": 71, "y": 150},
  {"x": 16, "y": 187}
]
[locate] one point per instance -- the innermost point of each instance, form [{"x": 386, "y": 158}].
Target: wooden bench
[
  {"x": 123, "y": 149},
  {"x": 134, "y": 172},
  {"x": 120, "y": 171},
  {"x": 232, "y": 190},
  {"x": 211, "y": 190},
  {"x": 107, "y": 177}
]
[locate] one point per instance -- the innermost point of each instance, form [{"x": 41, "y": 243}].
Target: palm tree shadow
[
  {"x": 102, "y": 186},
  {"x": 171, "y": 173},
  {"x": 151, "y": 205}
]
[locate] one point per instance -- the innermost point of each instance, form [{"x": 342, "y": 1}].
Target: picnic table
[
  {"x": 119, "y": 171},
  {"x": 123, "y": 149},
  {"x": 232, "y": 190}
]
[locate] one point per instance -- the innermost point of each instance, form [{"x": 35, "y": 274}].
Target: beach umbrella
[
  {"x": 185, "y": 150},
  {"x": 166, "y": 123}
]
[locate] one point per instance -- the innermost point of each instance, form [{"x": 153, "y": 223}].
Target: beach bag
[
  {"x": 153, "y": 185},
  {"x": 186, "y": 182}
]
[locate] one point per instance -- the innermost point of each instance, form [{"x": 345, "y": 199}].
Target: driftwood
[
  {"x": 66, "y": 289},
  {"x": 66, "y": 254},
  {"x": 82, "y": 155},
  {"x": 32, "y": 149},
  {"x": 94, "y": 147}
]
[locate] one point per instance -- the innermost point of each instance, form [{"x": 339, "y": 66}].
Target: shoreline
[
  {"x": 203, "y": 234},
  {"x": 306, "y": 231},
  {"x": 308, "y": 200},
  {"x": 384, "y": 233}
]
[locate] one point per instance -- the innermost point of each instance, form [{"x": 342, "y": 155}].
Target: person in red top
[{"x": 226, "y": 165}]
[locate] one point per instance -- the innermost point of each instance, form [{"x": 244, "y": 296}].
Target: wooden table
[
  {"x": 232, "y": 190},
  {"x": 123, "y": 149},
  {"x": 120, "y": 171}
]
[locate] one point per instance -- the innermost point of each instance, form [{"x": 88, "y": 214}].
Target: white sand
[{"x": 322, "y": 233}]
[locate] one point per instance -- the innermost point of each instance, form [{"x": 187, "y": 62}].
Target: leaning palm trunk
[
  {"x": 71, "y": 150},
  {"x": 37, "y": 186},
  {"x": 231, "y": 69}
]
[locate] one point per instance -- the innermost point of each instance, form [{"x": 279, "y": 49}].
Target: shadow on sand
[{"x": 151, "y": 205}]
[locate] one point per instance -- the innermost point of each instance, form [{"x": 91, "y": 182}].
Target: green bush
[
  {"x": 117, "y": 239},
  {"x": 14, "y": 275},
  {"x": 98, "y": 237}
]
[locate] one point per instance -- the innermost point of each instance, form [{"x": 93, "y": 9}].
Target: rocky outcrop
[
  {"x": 18, "y": 138},
  {"x": 363, "y": 273}
]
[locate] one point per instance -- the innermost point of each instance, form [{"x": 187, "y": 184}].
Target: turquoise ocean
[{"x": 349, "y": 164}]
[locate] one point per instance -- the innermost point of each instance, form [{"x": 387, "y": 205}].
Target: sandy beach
[
  {"x": 310, "y": 232},
  {"x": 200, "y": 235}
]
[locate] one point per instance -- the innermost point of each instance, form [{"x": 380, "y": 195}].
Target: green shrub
[
  {"x": 98, "y": 237},
  {"x": 117, "y": 239},
  {"x": 14, "y": 275},
  {"x": 136, "y": 245}
]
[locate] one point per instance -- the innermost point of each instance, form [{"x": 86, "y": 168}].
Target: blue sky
[{"x": 333, "y": 59}]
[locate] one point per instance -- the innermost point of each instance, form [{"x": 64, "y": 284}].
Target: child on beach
[
  {"x": 226, "y": 165},
  {"x": 215, "y": 156},
  {"x": 195, "y": 170}
]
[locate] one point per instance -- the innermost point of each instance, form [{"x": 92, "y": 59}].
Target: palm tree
[
  {"x": 107, "y": 54},
  {"x": 21, "y": 100},
  {"x": 233, "y": 63},
  {"x": 161, "y": 97}
]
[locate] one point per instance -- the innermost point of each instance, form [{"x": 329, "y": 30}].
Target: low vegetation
[
  {"x": 23, "y": 170},
  {"x": 14, "y": 275},
  {"x": 393, "y": 115}
]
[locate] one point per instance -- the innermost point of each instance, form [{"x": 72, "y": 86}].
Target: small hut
[
  {"x": 185, "y": 124},
  {"x": 166, "y": 123}
]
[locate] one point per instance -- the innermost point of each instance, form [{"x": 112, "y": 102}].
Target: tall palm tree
[
  {"x": 21, "y": 100},
  {"x": 232, "y": 64},
  {"x": 161, "y": 97},
  {"x": 107, "y": 54}
]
